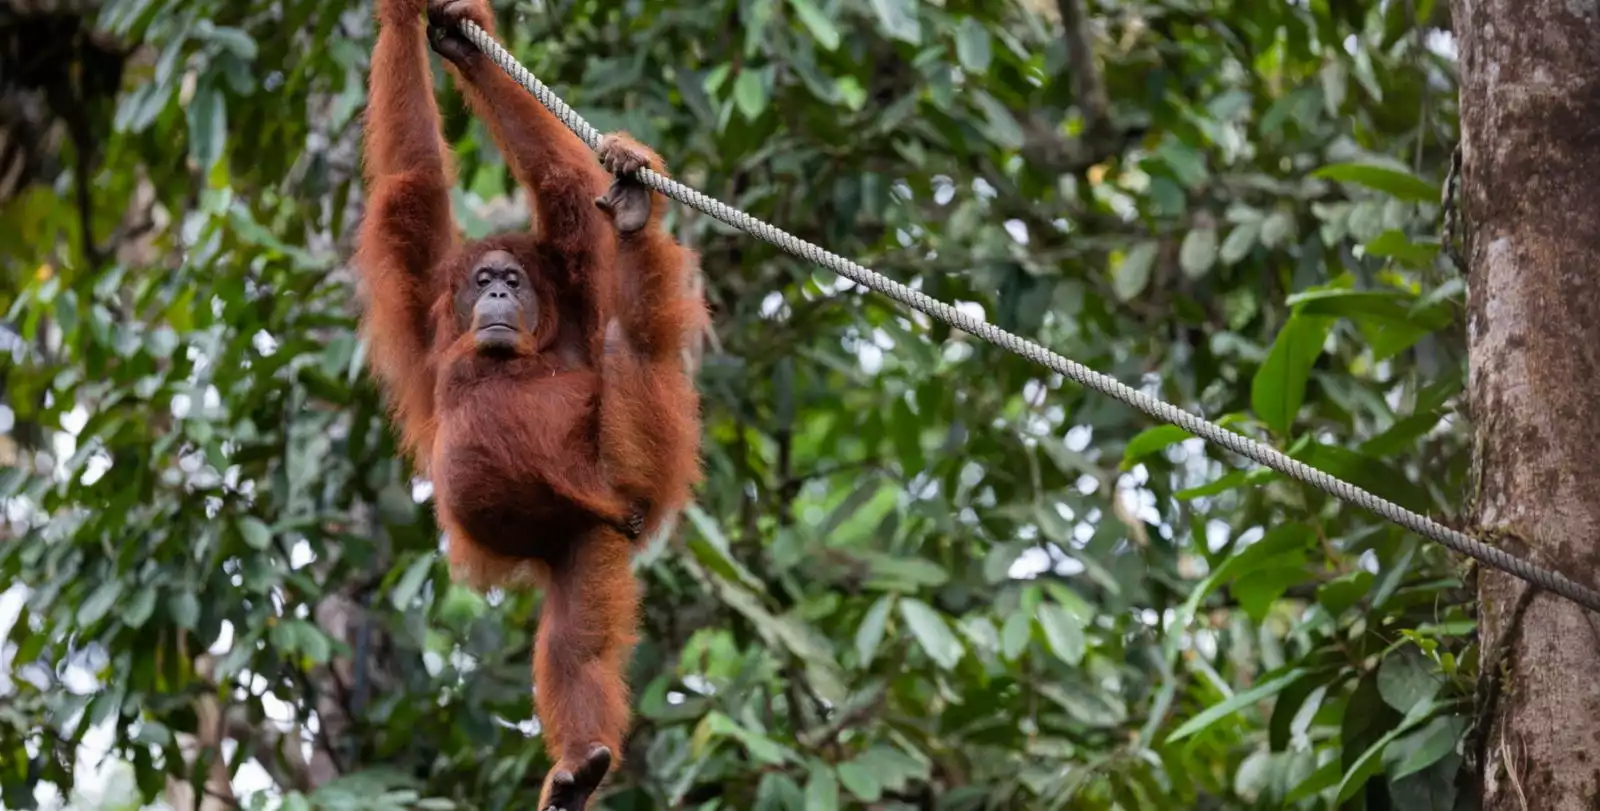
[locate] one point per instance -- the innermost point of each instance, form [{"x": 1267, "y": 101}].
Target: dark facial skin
[{"x": 497, "y": 304}]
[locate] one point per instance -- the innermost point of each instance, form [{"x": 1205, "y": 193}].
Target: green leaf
[
  {"x": 1365, "y": 472},
  {"x": 816, "y": 21},
  {"x": 858, "y": 778},
  {"x": 1015, "y": 634},
  {"x": 1288, "y": 711},
  {"x": 1239, "y": 242},
  {"x": 1237, "y": 702},
  {"x": 1277, "y": 229},
  {"x": 972, "y": 45},
  {"x": 710, "y": 546},
  {"x": 761, "y": 747},
  {"x": 1002, "y": 128},
  {"x": 851, "y": 92},
  {"x": 905, "y": 573},
  {"x": 1150, "y": 441},
  {"x": 1341, "y": 593},
  {"x": 1198, "y": 252},
  {"x": 1395, "y": 182},
  {"x": 750, "y": 94},
  {"x": 1419, "y": 750},
  {"x": 255, "y": 533},
  {"x": 1384, "y": 306},
  {"x": 411, "y": 582},
  {"x": 1325, "y": 777},
  {"x": 1279, "y": 386},
  {"x": 822, "y": 789},
  {"x": 1257, "y": 590},
  {"x": 208, "y": 125},
  {"x": 1371, "y": 760},
  {"x": 1394, "y": 244},
  {"x": 237, "y": 42},
  {"x": 1406, "y": 678},
  {"x": 932, "y": 633},
  {"x": 1130, "y": 276},
  {"x": 778, "y": 792},
  {"x": 99, "y": 601},
  {"x": 184, "y": 608},
  {"x": 894, "y": 769},
  {"x": 1231, "y": 481},
  {"x": 870, "y": 634},
  {"x": 140, "y": 607},
  {"x": 1062, "y": 633},
  {"x": 899, "y": 20}
]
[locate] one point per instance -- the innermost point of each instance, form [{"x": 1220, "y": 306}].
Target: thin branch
[{"x": 1088, "y": 87}]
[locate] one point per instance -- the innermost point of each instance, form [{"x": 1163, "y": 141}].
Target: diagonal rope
[{"x": 1244, "y": 446}]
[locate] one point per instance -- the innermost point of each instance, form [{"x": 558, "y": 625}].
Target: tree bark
[{"x": 1530, "y": 99}]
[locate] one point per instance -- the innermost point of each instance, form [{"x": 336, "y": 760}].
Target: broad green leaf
[
  {"x": 255, "y": 533},
  {"x": 412, "y": 581},
  {"x": 1130, "y": 276},
  {"x": 904, "y": 573},
  {"x": 1277, "y": 228},
  {"x": 1395, "y": 245},
  {"x": 932, "y": 633},
  {"x": 761, "y": 747},
  {"x": 1279, "y": 387},
  {"x": 1257, "y": 590},
  {"x": 1151, "y": 440},
  {"x": 1198, "y": 252},
  {"x": 894, "y": 769},
  {"x": 1341, "y": 593},
  {"x": 1370, "y": 761},
  {"x": 779, "y": 792},
  {"x": 710, "y": 546},
  {"x": 235, "y": 40},
  {"x": 1388, "y": 306},
  {"x": 822, "y": 789},
  {"x": 899, "y": 20},
  {"x": 1418, "y": 750},
  {"x": 870, "y": 633},
  {"x": 140, "y": 607},
  {"x": 1230, "y": 481},
  {"x": 1237, "y": 702},
  {"x": 1325, "y": 777},
  {"x": 1365, "y": 472},
  {"x": 816, "y": 21},
  {"x": 972, "y": 45},
  {"x": 750, "y": 94},
  {"x": 851, "y": 92},
  {"x": 859, "y": 779},
  {"x": 1062, "y": 633},
  {"x": 1002, "y": 128},
  {"x": 1406, "y": 678},
  {"x": 184, "y": 609},
  {"x": 208, "y": 124},
  {"x": 1296, "y": 701},
  {"x": 99, "y": 602},
  {"x": 1395, "y": 182},
  {"x": 1014, "y": 635},
  {"x": 1239, "y": 242}
]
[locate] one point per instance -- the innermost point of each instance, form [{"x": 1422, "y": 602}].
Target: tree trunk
[{"x": 1530, "y": 99}]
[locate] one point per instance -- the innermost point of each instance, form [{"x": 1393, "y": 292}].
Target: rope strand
[{"x": 1244, "y": 446}]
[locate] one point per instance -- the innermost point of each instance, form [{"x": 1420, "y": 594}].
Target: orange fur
[{"x": 536, "y": 459}]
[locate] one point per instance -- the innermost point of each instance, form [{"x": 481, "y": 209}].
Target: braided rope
[{"x": 1167, "y": 412}]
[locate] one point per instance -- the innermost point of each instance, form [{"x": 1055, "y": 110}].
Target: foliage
[{"x": 922, "y": 574}]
